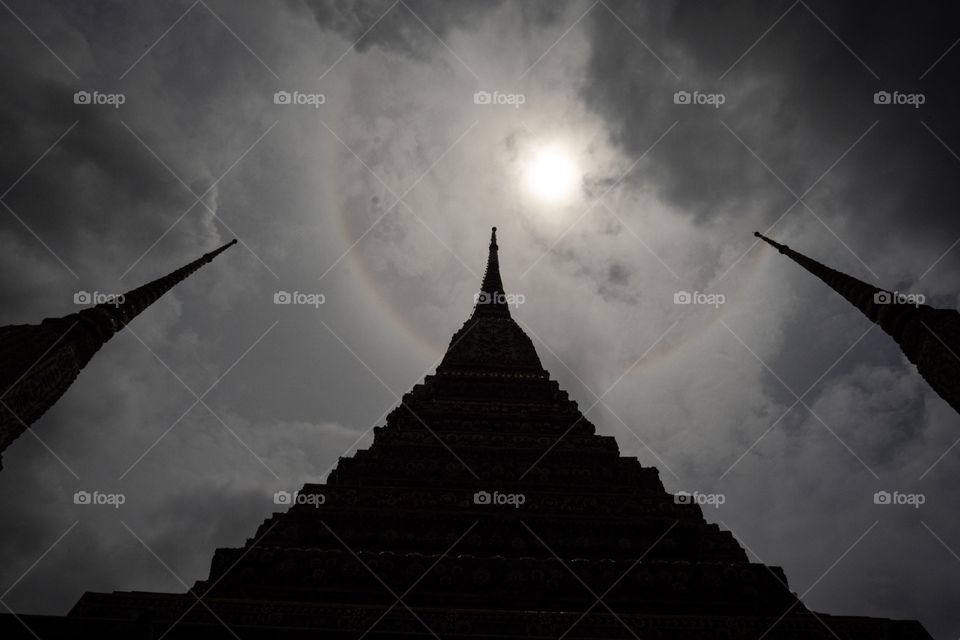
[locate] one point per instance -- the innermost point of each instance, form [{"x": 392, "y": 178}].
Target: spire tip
[
  {"x": 782, "y": 248},
  {"x": 491, "y": 300}
]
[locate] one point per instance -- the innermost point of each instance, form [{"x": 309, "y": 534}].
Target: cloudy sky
[{"x": 412, "y": 128}]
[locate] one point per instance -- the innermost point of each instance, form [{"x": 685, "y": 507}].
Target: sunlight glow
[{"x": 552, "y": 175}]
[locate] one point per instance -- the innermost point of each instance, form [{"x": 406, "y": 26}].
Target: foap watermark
[
  {"x": 288, "y": 499},
  {"x": 897, "y": 297},
  {"x": 497, "y": 98},
  {"x": 699, "y": 298},
  {"x": 299, "y": 98},
  {"x": 898, "y": 98},
  {"x": 97, "y": 98},
  {"x": 698, "y": 97},
  {"x": 97, "y": 498},
  {"x": 497, "y": 498},
  {"x": 509, "y": 299},
  {"x": 299, "y": 297},
  {"x": 703, "y": 499},
  {"x": 97, "y": 297},
  {"x": 896, "y": 498}
]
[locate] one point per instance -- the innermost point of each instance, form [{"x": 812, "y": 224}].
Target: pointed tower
[
  {"x": 39, "y": 362},
  {"x": 486, "y": 507},
  {"x": 929, "y": 337},
  {"x": 492, "y": 300},
  {"x": 490, "y": 341}
]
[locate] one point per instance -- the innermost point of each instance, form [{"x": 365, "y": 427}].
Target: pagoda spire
[
  {"x": 929, "y": 337},
  {"x": 39, "y": 362},
  {"x": 492, "y": 300},
  {"x": 490, "y": 341}
]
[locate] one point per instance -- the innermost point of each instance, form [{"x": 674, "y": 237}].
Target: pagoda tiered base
[{"x": 150, "y": 616}]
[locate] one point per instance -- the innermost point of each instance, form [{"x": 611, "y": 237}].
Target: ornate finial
[
  {"x": 491, "y": 300},
  {"x": 213, "y": 254},
  {"x": 779, "y": 247}
]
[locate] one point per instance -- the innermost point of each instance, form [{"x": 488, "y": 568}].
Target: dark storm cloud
[
  {"x": 396, "y": 26},
  {"x": 70, "y": 166},
  {"x": 799, "y": 99},
  {"x": 92, "y": 169}
]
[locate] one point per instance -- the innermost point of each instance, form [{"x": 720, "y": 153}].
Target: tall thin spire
[
  {"x": 39, "y": 362},
  {"x": 492, "y": 300},
  {"x": 929, "y": 337}
]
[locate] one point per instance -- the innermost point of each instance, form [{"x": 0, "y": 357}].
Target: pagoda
[
  {"x": 39, "y": 362},
  {"x": 486, "y": 507},
  {"x": 928, "y": 337}
]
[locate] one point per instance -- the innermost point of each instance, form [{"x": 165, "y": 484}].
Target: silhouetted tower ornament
[
  {"x": 490, "y": 341},
  {"x": 929, "y": 337},
  {"x": 492, "y": 299},
  {"x": 39, "y": 362}
]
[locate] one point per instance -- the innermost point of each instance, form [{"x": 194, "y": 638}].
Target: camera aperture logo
[
  {"x": 97, "y": 98},
  {"x": 897, "y": 98},
  {"x": 498, "y": 99},
  {"x": 896, "y": 498},
  {"x": 697, "y": 97},
  {"x": 699, "y": 298},
  {"x": 288, "y": 499},
  {"x": 97, "y": 297},
  {"x": 499, "y": 499},
  {"x": 703, "y": 499},
  {"x": 97, "y": 498},
  {"x": 298, "y": 297},
  {"x": 299, "y": 98},
  {"x": 897, "y": 297},
  {"x": 509, "y": 299}
]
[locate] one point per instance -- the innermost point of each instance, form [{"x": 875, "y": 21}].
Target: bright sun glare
[{"x": 552, "y": 176}]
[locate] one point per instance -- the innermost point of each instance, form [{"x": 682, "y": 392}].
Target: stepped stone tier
[
  {"x": 486, "y": 507},
  {"x": 929, "y": 337},
  {"x": 39, "y": 362}
]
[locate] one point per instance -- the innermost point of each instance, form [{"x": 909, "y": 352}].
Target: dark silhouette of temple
[
  {"x": 39, "y": 362},
  {"x": 929, "y": 337},
  {"x": 486, "y": 507}
]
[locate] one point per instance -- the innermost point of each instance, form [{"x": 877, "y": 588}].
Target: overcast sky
[{"x": 381, "y": 199}]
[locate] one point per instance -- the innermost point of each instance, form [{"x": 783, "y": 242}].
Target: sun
[{"x": 552, "y": 175}]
